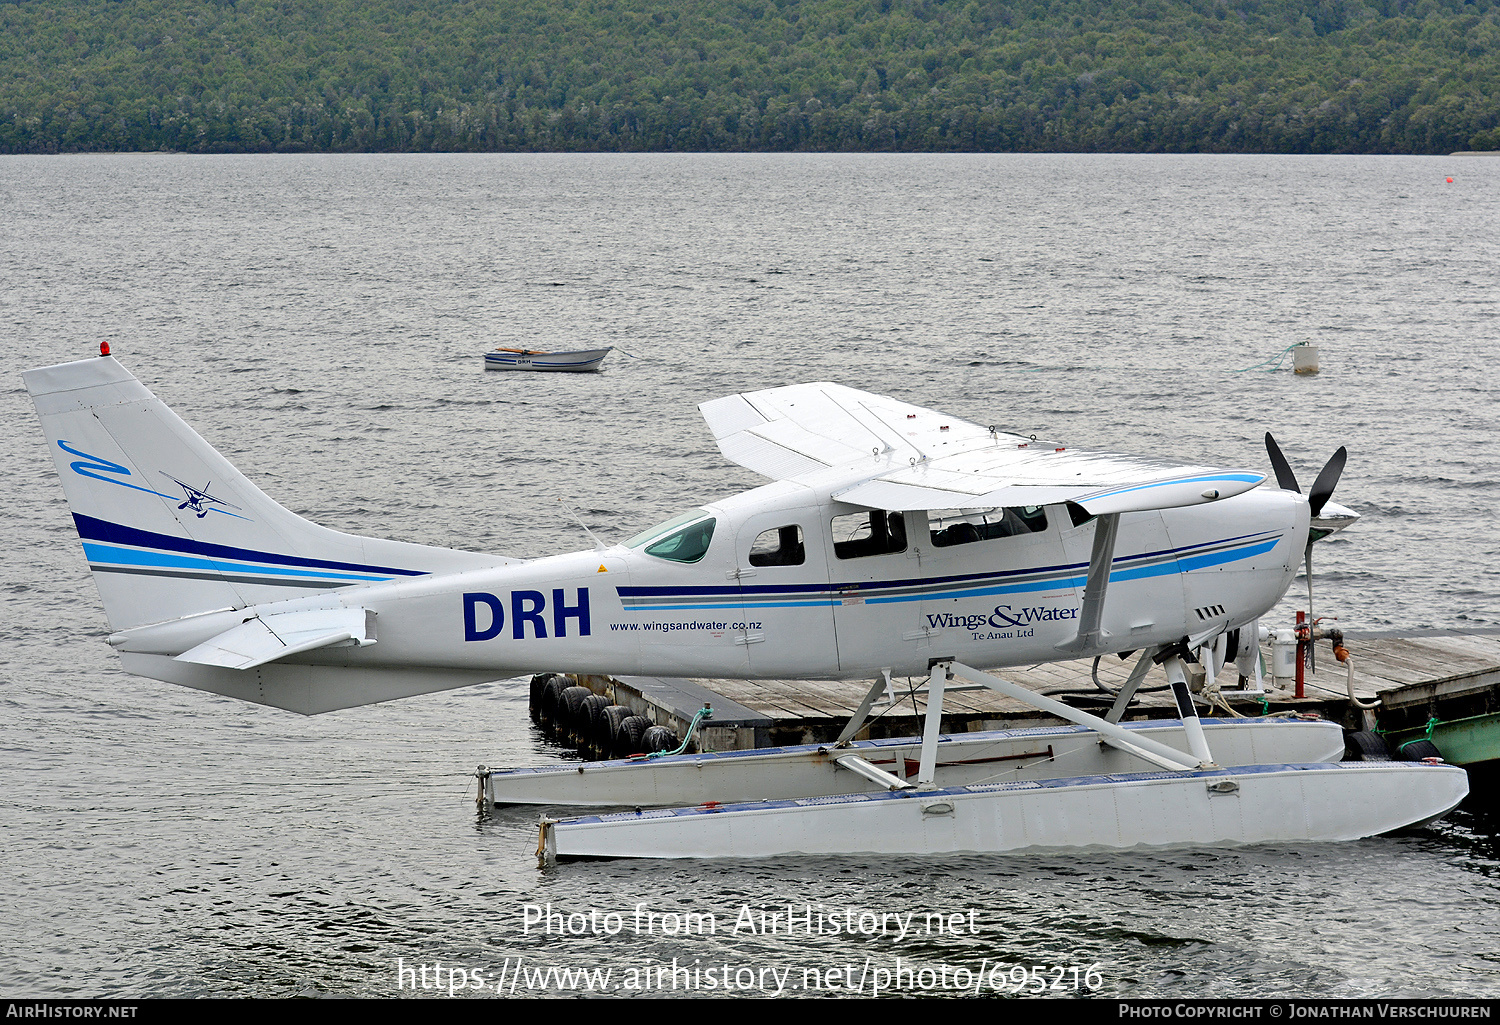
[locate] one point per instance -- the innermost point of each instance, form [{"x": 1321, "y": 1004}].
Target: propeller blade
[
  {"x": 1322, "y": 489},
  {"x": 1285, "y": 478}
]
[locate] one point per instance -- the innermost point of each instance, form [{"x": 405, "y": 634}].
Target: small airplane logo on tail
[
  {"x": 111, "y": 472},
  {"x": 197, "y": 497}
]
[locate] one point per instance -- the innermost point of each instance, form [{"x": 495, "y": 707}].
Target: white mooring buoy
[{"x": 1305, "y": 358}]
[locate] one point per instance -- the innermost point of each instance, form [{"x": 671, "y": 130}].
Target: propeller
[
  {"x": 1317, "y": 498},
  {"x": 1328, "y": 479},
  {"x": 1322, "y": 489}
]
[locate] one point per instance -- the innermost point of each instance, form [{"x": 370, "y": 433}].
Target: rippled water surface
[{"x": 320, "y": 319}]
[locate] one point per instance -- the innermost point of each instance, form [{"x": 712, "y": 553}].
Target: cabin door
[
  {"x": 876, "y": 590},
  {"x": 998, "y": 589},
  {"x": 785, "y": 620}
]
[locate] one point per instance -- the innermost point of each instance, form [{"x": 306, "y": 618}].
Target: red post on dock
[{"x": 1303, "y": 640}]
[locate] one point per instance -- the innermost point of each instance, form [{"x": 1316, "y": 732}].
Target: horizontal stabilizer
[
  {"x": 268, "y": 638},
  {"x": 305, "y": 689}
]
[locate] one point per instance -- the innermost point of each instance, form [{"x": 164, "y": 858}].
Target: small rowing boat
[{"x": 530, "y": 359}]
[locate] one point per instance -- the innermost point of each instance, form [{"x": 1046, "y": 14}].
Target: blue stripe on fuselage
[{"x": 764, "y": 596}]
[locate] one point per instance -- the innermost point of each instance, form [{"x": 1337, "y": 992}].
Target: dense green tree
[{"x": 1312, "y": 76}]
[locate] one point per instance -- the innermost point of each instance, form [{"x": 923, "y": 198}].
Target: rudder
[{"x": 170, "y": 528}]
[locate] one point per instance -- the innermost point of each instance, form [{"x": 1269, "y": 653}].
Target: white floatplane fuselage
[
  {"x": 941, "y": 539},
  {"x": 1010, "y": 600},
  {"x": 893, "y": 541}
]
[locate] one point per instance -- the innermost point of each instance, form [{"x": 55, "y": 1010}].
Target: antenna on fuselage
[{"x": 598, "y": 545}]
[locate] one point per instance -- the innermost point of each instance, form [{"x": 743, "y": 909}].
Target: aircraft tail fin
[{"x": 170, "y": 528}]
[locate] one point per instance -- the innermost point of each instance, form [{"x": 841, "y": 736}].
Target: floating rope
[
  {"x": 1426, "y": 729},
  {"x": 703, "y": 713},
  {"x": 1278, "y": 358}
]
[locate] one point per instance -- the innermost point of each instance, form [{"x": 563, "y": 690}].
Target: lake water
[{"x": 320, "y": 319}]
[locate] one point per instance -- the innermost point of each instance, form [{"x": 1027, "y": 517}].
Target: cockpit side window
[
  {"x": 683, "y": 538},
  {"x": 950, "y": 527},
  {"x": 688, "y": 544},
  {"x": 876, "y": 532},
  {"x": 779, "y": 546}
]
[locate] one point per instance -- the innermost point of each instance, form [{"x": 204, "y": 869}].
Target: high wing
[
  {"x": 785, "y": 432},
  {"x": 915, "y": 458}
]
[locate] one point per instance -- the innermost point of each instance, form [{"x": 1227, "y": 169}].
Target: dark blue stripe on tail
[{"x": 91, "y": 529}]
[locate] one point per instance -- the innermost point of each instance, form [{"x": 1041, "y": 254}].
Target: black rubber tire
[
  {"x": 660, "y": 738},
  {"x": 1365, "y": 746},
  {"x": 570, "y": 707},
  {"x": 550, "y": 705},
  {"x": 589, "y": 716},
  {"x": 607, "y": 729},
  {"x": 1416, "y": 750},
  {"x": 537, "y": 683},
  {"x": 632, "y": 731}
]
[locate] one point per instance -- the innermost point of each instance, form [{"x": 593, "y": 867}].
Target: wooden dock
[{"x": 1418, "y": 677}]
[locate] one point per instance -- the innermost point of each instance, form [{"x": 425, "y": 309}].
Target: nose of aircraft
[{"x": 1332, "y": 517}]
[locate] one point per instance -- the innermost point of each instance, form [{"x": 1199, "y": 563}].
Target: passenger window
[
  {"x": 686, "y": 544},
  {"x": 950, "y": 527},
  {"x": 780, "y": 546},
  {"x": 873, "y": 533}
]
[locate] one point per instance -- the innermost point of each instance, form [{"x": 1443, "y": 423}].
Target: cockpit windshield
[{"x": 683, "y": 538}]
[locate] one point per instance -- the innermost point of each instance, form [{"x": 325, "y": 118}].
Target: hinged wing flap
[
  {"x": 899, "y": 497},
  {"x": 995, "y": 475},
  {"x": 267, "y": 638},
  {"x": 784, "y": 432}
]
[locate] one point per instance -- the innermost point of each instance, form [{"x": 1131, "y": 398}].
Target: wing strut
[{"x": 1101, "y": 561}]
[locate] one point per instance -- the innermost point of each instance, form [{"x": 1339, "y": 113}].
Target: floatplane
[{"x": 893, "y": 541}]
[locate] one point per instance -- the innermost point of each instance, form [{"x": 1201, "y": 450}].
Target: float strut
[
  {"x": 882, "y": 685},
  {"x": 1192, "y": 726},
  {"x": 1153, "y": 751},
  {"x": 927, "y": 768},
  {"x": 1132, "y": 684}
]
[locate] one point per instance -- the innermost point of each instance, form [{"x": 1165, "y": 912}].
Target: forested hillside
[{"x": 1303, "y": 76}]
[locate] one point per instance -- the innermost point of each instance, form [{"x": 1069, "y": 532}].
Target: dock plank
[{"x": 1381, "y": 664}]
